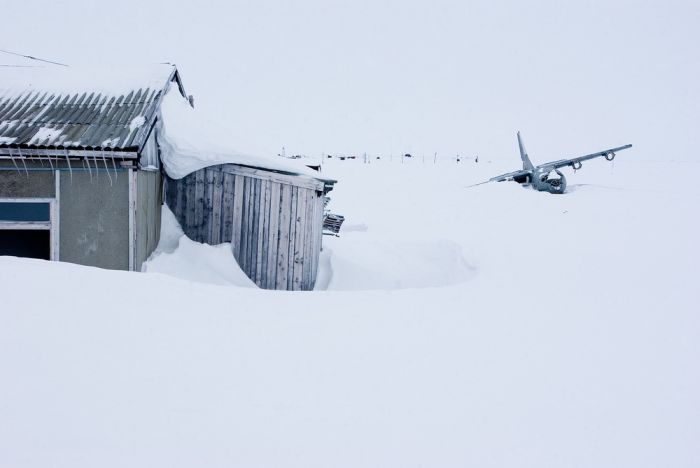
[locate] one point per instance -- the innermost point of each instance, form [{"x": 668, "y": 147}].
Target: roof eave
[{"x": 76, "y": 151}]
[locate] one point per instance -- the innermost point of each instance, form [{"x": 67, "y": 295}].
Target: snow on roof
[
  {"x": 111, "y": 81},
  {"x": 190, "y": 142},
  {"x": 79, "y": 107}
]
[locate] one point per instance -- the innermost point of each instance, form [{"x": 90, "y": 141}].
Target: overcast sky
[{"x": 404, "y": 76}]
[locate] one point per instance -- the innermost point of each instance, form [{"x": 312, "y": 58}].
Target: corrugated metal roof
[{"x": 37, "y": 116}]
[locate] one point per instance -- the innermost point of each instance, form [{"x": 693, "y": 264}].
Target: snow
[
  {"x": 177, "y": 255},
  {"x": 109, "y": 142},
  {"x": 46, "y": 134},
  {"x": 384, "y": 264},
  {"x": 189, "y": 142},
  {"x": 136, "y": 122},
  {"x": 485, "y": 326},
  {"x": 105, "y": 80},
  {"x": 6, "y": 140}
]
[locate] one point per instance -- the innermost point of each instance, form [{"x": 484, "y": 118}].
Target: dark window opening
[{"x": 27, "y": 243}]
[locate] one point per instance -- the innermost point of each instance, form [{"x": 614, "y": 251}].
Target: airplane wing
[
  {"x": 608, "y": 154},
  {"x": 504, "y": 177},
  {"x": 511, "y": 175}
]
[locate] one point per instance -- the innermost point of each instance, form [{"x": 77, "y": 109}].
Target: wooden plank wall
[{"x": 274, "y": 225}]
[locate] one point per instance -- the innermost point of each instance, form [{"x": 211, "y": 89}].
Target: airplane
[{"x": 547, "y": 177}]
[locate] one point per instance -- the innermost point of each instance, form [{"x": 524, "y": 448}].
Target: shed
[
  {"x": 274, "y": 220},
  {"x": 269, "y": 208},
  {"x": 80, "y": 177}
]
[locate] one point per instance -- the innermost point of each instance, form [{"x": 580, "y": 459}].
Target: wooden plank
[
  {"x": 217, "y": 197},
  {"x": 182, "y": 193},
  {"x": 243, "y": 233},
  {"x": 208, "y": 199},
  {"x": 273, "y": 237},
  {"x": 267, "y": 234},
  {"x": 238, "y": 199},
  {"x": 189, "y": 205},
  {"x": 263, "y": 224},
  {"x": 317, "y": 233},
  {"x": 253, "y": 228},
  {"x": 298, "y": 180},
  {"x": 227, "y": 210},
  {"x": 283, "y": 240},
  {"x": 178, "y": 206},
  {"x": 312, "y": 242},
  {"x": 257, "y": 234},
  {"x": 250, "y": 228},
  {"x": 199, "y": 205},
  {"x": 292, "y": 238},
  {"x": 299, "y": 239},
  {"x": 307, "y": 280}
]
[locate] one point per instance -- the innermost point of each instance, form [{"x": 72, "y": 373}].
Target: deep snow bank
[
  {"x": 351, "y": 263},
  {"x": 576, "y": 344},
  {"x": 179, "y": 256}
]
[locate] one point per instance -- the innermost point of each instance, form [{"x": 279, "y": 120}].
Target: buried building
[{"x": 83, "y": 161}]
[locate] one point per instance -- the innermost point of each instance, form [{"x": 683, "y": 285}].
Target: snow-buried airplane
[{"x": 547, "y": 177}]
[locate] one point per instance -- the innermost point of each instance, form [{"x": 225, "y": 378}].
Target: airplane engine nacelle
[{"x": 609, "y": 156}]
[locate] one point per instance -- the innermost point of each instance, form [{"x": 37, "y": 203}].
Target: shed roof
[{"x": 81, "y": 108}]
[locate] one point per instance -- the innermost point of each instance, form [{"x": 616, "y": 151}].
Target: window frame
[{"x": 52, "y": 225}]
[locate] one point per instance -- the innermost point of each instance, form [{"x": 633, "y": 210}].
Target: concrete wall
[
  {"x": 33, "y": 184},
  {"x": 149, "y": 200},
  {"x": 94, "y": 219},
  {"x": 93, "y": 211}
]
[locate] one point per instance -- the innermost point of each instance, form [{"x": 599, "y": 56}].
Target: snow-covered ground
[{"x": 453, "y": 326}]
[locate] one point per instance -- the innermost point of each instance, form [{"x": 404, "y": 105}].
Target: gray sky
[{"x": 405, "y": 76}]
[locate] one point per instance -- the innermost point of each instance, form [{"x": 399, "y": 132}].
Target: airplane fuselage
[{"x": 544, "y": 181}]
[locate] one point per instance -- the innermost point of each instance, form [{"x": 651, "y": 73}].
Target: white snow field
[{"x": 491, "y": 326}]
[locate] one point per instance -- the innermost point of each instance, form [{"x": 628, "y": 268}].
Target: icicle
[
  {"x": 114, "y": 165},
  {"x": 13, "y": 160},
  {"x": 86, "y": 161},
  {"x": 23, "y": 163},
  {"x": 50, "y": 163},
  {"x": 104, "y": 160},
  {"x": 70, "y": 169}
]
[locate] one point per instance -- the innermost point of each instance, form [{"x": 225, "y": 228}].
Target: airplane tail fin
[{"x": 523, "y": 155}]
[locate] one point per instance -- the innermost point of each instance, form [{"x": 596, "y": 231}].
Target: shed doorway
[{"x": 26, "y": 243}]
